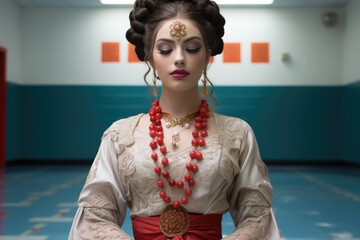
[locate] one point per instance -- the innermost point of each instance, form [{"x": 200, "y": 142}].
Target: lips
[{"x": 179, "y": 73}]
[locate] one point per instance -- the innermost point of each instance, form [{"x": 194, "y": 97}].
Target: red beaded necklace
[{"x": 157, "y": 135}]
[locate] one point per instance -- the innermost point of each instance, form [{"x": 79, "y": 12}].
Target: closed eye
[
  {"x": 193, "y": 50},
  {"x": 165, "y": 52}
]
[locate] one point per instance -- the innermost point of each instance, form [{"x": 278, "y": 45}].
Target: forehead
[{"x": 191, "y": 29}]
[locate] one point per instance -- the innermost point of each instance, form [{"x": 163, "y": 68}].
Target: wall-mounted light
[
  {"x": 118, "y": 2},
  {"x": 330, "y": 19},
  {"x": 220, "y": 2},
  {"x": 285, "y": 57},
  {"x": 244, "y": 2}
]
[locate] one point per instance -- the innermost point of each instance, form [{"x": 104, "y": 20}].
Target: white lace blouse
[{"x": 233, "y": 177}]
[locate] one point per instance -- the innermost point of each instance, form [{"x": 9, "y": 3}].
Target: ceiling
[{"x": 96, "y": 3}]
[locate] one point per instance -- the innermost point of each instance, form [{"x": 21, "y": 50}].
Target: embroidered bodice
[{"x": 233, "y": 177}]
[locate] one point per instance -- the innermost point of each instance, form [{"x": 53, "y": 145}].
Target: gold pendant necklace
[{"x": 183, "y": 121}]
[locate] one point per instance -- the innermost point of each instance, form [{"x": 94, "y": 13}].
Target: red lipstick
[{"x": 179, "y": 73}]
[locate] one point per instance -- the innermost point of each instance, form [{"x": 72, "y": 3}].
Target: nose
[{"x": 179, "y": 58}]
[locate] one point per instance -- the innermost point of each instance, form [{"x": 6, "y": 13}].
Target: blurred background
[{"x": 290, "y": 69}]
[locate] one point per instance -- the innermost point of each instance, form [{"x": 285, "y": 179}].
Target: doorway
[{"x": 2, "y": 106}]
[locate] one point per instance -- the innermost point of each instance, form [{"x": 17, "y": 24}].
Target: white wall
[
  {"x": 314, "y": 49},
  {"x": 62, "y": 46},
  {"x": 351, "y": 43},
  {"x": 10, "y": 36}
]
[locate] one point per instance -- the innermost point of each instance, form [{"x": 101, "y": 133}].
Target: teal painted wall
[
  {"x": 351, "y": 122},
  {"x": 65, "y": 122},
  {"x": 15, "y": 123},
  {"x": 291, "y": 123}
]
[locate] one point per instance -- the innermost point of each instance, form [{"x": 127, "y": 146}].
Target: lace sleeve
[
  {"x": 251, "y": 196},
  {"x": 103, "y": 201},
  {"x": 101, "y": 224},
  {"x": 254, "y": 217}
]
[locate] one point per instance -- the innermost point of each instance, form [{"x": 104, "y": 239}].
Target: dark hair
[{"x": 147, "y": 14}]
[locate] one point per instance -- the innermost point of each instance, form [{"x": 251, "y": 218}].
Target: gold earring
[
  {"x": 204, "y": 87},
  {"x": 155, "y": 93}
]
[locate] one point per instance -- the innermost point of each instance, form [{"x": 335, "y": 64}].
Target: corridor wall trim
[
  {"x": 350, "y": 129},
  {"x": 66, "y": 122},
  {"x": 2, "y": 106}
]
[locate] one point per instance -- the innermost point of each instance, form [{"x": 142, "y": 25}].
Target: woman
[{"x": 180, "y": 166}]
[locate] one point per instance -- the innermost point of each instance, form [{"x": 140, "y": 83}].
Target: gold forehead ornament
[{"x": 177, "y": 30}]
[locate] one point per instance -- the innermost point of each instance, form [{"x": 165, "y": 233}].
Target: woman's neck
[{"x": 180, "y": 104}]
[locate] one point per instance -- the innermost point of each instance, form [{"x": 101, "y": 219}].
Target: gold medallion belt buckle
[{"x": 174, "y": 221}]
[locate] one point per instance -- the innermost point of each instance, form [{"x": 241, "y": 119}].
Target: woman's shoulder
[
  {"x": 122, "y": 128},
  {"x": 231, "y": 122},
  {"x": 232, "y": 130}
]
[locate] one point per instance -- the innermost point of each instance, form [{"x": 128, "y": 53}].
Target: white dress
[{"x": 232, "y": 177}]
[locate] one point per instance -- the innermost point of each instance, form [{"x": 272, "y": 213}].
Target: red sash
[{"x": 201, "y": 227}]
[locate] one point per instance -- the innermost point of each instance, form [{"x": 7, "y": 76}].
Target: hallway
[{"x": 311, "y": 203}]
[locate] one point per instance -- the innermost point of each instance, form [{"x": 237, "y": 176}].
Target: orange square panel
[
  {"x": 260, "y": 52},
  {"x": 231, "y": 53},
  {"x": 110, "y": 52},
  {"x": 132, "y": 58}
]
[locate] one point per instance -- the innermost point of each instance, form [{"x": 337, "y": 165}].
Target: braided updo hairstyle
[{"x": 147, "y": 14}]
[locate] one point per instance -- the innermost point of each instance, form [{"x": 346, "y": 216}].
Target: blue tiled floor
[{"x": 38, "y": 203}]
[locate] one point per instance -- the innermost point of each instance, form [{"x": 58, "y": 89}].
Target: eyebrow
[{"x": 172, "y": 41}]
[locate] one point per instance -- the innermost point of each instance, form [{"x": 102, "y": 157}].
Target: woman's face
[{"x": 179, "y": 61}]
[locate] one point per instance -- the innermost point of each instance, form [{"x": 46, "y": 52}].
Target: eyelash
[
  {"x": 165, "y": 52},
  {"x": 189, "y": 50},
  {"x": 193, "y": 50}
]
